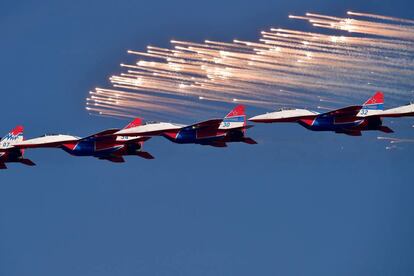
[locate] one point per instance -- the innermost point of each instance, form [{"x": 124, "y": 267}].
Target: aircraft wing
[
  {"x": 111, "y": 135},
  {"x": 46, "y": 142},
  {"x": 350, "y": 111},
  {"x": 213, "y": 123},
  {"x": 284, "y": 116},
  {"x": 102, "y": 135},
  {"x": 151, "y": 129},
  {"x": 155, "y": 129}
]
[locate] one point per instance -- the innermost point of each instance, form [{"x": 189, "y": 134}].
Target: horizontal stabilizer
[
  {"x": 27, "y": 162},
  {"x": 249, "y": 141},
  {"x": 145, "y": 155},
  {"x": 386, "y": 129},
  {"x": 243, "y": 127}
]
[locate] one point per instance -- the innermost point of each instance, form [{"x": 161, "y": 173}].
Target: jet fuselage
[
  {"x": 204, "y": 136},
  {"x": 338, "y": 124}
]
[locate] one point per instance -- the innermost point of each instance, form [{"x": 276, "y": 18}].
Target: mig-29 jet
[
  {"x": 350, "y": 120},
  {"x": 104, "y": 145},
  {"x": 214, "y": 132}
]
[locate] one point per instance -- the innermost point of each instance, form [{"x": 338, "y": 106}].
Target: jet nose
[{"x": 258, "y": 118}]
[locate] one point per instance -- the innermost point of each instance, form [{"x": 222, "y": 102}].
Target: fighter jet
[
  {"x": 214, "y": 132},
  {"x": 8, "y": 154},
  {"x": 103, "y": 145},
  {"x": 350, "y": 120}
]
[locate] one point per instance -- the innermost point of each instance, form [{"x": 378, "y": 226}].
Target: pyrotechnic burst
[{"x": 360, "y": 54}]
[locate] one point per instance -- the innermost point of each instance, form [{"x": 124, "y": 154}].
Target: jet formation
[{"x": 113, "y": 144}]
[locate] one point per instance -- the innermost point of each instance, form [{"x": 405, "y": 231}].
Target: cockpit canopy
[
  {"x": 50, "y": 134},
  {"x": 151, "y": 122},
  {"x": 286, "y": 108}
]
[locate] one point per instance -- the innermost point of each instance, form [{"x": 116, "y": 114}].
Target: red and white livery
[
  {"x": 351, "y": 120},
  {"x": 214, "y": 132},
  {"x": 105, "y": 145},
  {"x": 10, "y": 154}
]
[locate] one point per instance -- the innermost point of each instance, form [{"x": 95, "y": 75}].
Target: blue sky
[{"x": 298, "y": 203}]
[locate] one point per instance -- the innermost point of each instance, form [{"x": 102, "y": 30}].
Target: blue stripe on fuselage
[
  {"x": 374, "y": 106},
  {"x": 329, "y": 124},
  {"x": 189, "y": 136},
  {"x": 236, "y": 119},
  {"x": 87, "y": 148}
]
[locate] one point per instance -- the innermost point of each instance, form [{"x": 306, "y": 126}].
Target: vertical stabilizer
[
  {"x": 376, "y": 102},
  {"x": 13, "y": 137},
  {"x": 373, "y": 106},
  {"x": 235, "y": 119},
  {"x": 136, "y": 122}
]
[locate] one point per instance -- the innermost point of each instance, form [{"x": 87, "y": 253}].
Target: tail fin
[
  {"x": 136, "y": 122},
  {"x": 249, "y": 141},
  {"x": 235, "y": 119},
  {"x": 27, "y": 162},
  {"x": 13, "y": 137},
  {"x": 145, "y": 155},
  {"x": 376, "y": 102},
  {"x": 386, "y": 129}
]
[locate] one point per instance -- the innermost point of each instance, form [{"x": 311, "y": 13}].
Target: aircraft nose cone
[{"x": 257, "y": 118}]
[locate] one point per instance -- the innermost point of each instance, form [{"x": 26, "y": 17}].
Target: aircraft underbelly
[
  {"x": 196, "y": 137},
  {"x": 333, "y": 124},
  {"x": 89, "y": 148}
]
